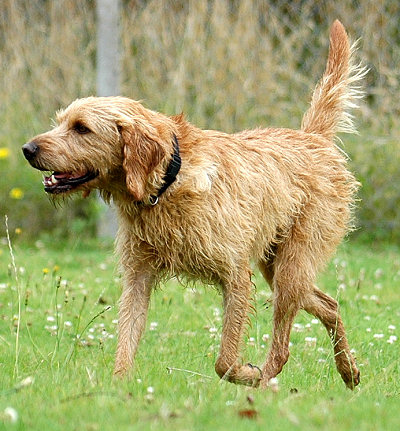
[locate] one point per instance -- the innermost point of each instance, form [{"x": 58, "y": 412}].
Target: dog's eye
[{"x": 81, "y": 128}]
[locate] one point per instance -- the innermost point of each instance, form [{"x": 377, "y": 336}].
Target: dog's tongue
[
  {"x": 68, "y": 175},
  {"x": 58, "y": 178}
]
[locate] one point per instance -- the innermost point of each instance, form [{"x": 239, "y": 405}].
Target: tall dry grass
[{"x": 227, "y": 64}]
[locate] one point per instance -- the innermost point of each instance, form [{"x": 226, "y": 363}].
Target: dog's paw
[
  {"x": 254, "y": 367},
  {"x": 248, "y": 374},
  {"x": 353, "y": 380},
  {"x": 120, "y": 372}
]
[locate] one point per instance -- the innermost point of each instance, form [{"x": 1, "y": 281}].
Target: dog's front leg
[
  {"x": 133, "y": 308},
  {"x": 236, "y": 296}
]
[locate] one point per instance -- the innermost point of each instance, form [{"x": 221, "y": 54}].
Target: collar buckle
[{"x": 153, "y": 200}]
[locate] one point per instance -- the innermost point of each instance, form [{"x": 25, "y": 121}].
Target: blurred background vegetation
[{"x": 228, "y": 65}]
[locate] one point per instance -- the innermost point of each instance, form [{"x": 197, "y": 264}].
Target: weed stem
[{"x": 19, "y": 298}]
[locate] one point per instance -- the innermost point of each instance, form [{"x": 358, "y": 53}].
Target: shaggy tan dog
[{"x": 204, "y": 204}]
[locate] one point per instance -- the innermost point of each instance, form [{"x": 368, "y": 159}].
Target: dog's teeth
[{"x": 50, "y": 181}]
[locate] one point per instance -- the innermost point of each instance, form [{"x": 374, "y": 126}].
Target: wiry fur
[{"x": 276, "y": 196}]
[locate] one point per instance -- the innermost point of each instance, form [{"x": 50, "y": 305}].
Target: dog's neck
[
  {"x": 165, "y": 177},
  {"x": 171, "y": 172}
]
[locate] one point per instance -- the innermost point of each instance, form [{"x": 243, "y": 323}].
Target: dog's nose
[{"x": 30, "y": 150}]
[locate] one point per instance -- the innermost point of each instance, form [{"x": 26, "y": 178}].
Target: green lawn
[{"x": 66, "y": 338}]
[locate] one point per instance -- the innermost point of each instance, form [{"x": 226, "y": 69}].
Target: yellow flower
[
  {"x": 4, "y": 153},
  {"x": 16, "y": 193},
  {"x": 56, "y": 268},
  {"x": 45, "y": 270},
  {"x": 18, "y": 230}
]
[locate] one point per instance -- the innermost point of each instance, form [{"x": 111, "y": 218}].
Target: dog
[{"x": 204, "y": 204}]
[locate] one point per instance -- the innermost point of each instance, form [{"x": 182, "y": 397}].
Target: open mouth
[{"x": 61, "y": 182}]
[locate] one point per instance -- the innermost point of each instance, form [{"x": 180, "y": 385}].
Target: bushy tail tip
[{"x": 337, "y": 92}]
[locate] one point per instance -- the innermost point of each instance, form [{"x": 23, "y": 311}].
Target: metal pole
[{"x": 108, "y": 79}]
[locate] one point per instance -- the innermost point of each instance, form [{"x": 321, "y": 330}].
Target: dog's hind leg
[
  {"x": 326, "y": 309},
  {"x": 293, "y": 274},
  {"x": 236, "y": 298},
  {"x": 289, "y": 279},
  {"x": 286, "y": 307}
]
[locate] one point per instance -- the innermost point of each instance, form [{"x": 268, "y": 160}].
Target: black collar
[{"x": 170, "y": 174}]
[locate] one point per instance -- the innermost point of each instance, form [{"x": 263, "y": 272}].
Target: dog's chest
[{"x": 186, "y": 242}]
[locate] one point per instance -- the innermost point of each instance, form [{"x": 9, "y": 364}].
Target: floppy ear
[{"x": 143, "y": 152}]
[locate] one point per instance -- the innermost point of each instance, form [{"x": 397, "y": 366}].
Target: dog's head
[{"x": 107, "y": 143}]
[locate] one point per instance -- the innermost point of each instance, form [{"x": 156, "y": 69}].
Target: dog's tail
[{"x": 337, "y": 91}]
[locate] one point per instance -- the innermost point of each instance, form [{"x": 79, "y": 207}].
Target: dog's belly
[{"x": 200, "y": 246}]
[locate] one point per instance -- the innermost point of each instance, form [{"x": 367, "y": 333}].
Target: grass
[{"x": 66, "y": 344}]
